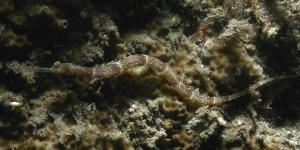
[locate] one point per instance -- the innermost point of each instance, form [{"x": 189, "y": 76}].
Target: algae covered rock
[{"x": 188, "y": 74}]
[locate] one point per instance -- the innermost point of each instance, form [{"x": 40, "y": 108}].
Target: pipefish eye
[{"x": 56, "y": 64}]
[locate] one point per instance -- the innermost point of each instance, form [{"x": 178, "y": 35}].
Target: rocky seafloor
[{"x": 218, "y": 46}]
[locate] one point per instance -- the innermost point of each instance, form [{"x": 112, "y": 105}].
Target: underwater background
[{"x": 218, "y": 47}]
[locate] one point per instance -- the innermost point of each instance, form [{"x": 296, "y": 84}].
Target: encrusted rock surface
[{"x": 218, "y": 46}]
